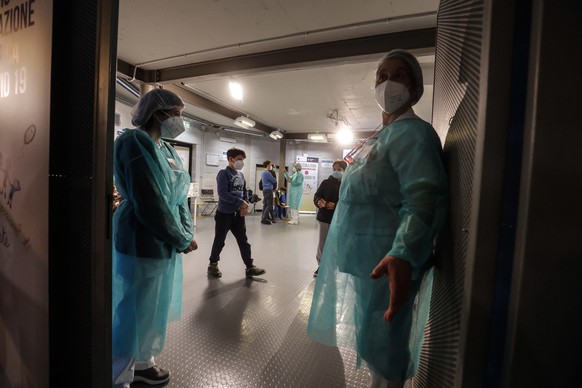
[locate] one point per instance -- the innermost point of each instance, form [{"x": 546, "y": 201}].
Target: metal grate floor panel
[{"x": 238, "y": 332}]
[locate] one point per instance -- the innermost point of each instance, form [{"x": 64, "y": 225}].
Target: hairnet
[
  {"x": 297, "y": 166},
  {"x": 154, "y": 100},
  {"x": 414, "y": 67}
]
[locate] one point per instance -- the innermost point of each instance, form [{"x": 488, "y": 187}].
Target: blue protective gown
[
  {"x": 393, "y": 200},
  {"x": 295, "y": 190},
  {"x": 150, "y": 225}
]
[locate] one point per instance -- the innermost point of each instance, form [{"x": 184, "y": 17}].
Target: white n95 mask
[
  {"x": 172, "y": 127},
  {"x": 391, "y": 95},
  {"x": 238, "y": 164}
]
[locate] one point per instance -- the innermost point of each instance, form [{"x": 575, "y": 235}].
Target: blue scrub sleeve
[{"x": 423, "y": 185}]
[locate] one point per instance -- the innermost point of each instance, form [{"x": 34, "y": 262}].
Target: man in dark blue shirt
[
  {"x": 269, "y": 184},
  {"x": 231, "y": 212}
]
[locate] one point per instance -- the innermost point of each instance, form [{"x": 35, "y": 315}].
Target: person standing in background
[
  {"x": 152, "y": 226},
  {"x": 325, "y": 199},
  {"x": 269, "y": 184},
  {"x": 274, "y": 174},
  {"x": 230, "y": 215},
  {"x": 295, "y": 192}
]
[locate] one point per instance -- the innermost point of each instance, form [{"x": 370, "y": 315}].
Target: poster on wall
[
  {"x": 184, "y": 154},
  {"x": 309, "y": 167},
  {"x": 25, "y": 72}
]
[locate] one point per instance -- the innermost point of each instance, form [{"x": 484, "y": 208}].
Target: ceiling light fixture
[
  {"x": 276, "y": 135},
  {"x": 244, "y": 122},
  {"x": 236, "y": 90},
  {"x": 260, "y": 134},
  {"x": 227, "y": 139},
  {"x": 317, "y": 137},
  {"x": 345, "y": 136}
]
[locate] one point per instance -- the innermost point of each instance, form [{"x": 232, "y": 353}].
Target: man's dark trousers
[
  {"x": 236, "y": 224},
  {"x": 267, "y": 205}
]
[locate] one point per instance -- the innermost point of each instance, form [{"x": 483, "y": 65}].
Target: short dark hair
[
  {"x": 266, "y": 163},
  {"x": 342, "y": 164},
  {"x": 234, "y": 152}
]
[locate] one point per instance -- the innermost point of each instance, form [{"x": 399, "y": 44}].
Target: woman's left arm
[{"x": 415, "y": 154}]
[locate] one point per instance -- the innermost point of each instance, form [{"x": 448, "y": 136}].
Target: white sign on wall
[{"x": 309, "y": 168}]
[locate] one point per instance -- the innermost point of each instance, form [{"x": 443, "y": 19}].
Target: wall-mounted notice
[
  {"x": 25, "y": 71},
  {"x": 212, "y": 159}
]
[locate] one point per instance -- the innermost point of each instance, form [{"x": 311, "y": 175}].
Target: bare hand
[
  {"x": 320, "y": 202},
  {"x": 191, "y": 247},
  {"x": 330, "y": 205},
  {"x": 398, "y": 272},
  {"x": 244, "y": 209}
]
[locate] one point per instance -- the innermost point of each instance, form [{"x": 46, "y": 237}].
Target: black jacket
[{"x": 328, "y": 190}]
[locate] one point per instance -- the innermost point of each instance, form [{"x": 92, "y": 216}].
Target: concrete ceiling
[{"x": 297, "y": 60}]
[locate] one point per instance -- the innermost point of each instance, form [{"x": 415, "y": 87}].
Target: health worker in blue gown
[
  {"x": 393, "y": 200},
  {"x": 152, "y": 227},
  {"x": 295, "y": 192}
]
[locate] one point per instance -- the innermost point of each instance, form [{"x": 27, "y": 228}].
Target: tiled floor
[{"x": 238, "y": 332}]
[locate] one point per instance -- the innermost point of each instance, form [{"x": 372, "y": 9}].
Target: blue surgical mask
[
  {"x": 337, "y": 174},
  {"x": 172, "y": 127}
]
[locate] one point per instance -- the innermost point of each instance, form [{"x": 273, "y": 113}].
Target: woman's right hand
[
  {"x": 191, "y": 247},
  {"x": 398, "y": 273}
]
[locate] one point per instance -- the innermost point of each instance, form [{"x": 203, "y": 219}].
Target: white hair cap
[
  {"x": 414, "y": 66},
  {"x": 152, "y": 101}
]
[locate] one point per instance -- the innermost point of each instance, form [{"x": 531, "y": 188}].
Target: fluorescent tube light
[
  {"x": 317, "y": 137},
  {"x": 260, "y": 134}
]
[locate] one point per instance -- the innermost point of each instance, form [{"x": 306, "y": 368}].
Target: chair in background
[
  {"x": 207, "y": 195},
  {"x": 253, "y": 199}
]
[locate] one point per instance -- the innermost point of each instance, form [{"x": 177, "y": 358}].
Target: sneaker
[
  {"x": 213, "y": 270},
  {"x": 152, "y": 376},
  {"x": 266, "y": 222},
  {"x": 254, "y": 271},
  {"x": 315, "y": 273}
]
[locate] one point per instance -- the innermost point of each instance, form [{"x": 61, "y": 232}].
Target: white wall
[{"x": 258, "y": 149}]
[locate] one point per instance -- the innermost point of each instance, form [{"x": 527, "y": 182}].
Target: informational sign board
[
  {"x": 212, "y": 159},
  {"x": 184, "y": 154},
  {"x": 25, "y": 73}
]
